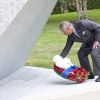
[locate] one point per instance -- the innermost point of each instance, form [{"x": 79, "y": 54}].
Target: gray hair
[{"x": 65, "y": 24}]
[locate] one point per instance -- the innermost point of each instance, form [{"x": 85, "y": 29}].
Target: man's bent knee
[
  {"x": 80, "y": 53},
  {"x": 95, "y": 53}
]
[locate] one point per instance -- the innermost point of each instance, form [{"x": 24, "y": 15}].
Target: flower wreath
[{"x": 67, "y": 70}]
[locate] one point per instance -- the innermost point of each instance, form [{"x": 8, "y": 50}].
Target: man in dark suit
[{"x": 88, "y": 33}]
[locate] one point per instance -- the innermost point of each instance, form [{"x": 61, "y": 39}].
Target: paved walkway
[{"x": 35, "y": 83}]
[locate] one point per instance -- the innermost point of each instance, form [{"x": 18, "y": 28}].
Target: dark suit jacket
[{"x": 89, "y": 32}]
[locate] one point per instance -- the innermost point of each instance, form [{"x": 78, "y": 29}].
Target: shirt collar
[{"x": 74, "y": 31}]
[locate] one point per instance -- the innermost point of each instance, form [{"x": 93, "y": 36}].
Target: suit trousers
[
  {"x": 83, "y": 53},
  {"x": 96, "y": 59}
]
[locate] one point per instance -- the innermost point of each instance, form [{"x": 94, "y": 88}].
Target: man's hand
[{"x": 96, "y": 44}]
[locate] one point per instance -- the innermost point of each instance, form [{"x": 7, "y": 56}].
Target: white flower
[
  {"x": 57, "y": 58},
  {"x": 68, "y": 61},
  {"x": 62, "y": 62}
]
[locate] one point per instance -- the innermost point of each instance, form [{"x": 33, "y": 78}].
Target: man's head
[{"x": 66, "y": 27}]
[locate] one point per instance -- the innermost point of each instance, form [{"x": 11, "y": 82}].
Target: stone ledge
[{"x": 33, "y": 83}]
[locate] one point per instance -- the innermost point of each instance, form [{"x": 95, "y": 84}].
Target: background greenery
[
  {"x": 70, "y": 5},
  {"x": 52, "y": 41}
]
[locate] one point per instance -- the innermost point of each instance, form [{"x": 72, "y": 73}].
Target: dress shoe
[
  {"x": 98, "y": 79},
  {"x": 91, "y": 75}
]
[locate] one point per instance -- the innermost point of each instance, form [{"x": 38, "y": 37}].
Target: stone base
[{"x": 32, "y": 83}]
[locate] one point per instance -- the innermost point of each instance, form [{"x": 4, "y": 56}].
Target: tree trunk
[
  {"x": 65, "y": 6},
  {"x": 62, "y": 8},
  {"x": 85, "y": 8},
  {"x": 81, "y": 8}
]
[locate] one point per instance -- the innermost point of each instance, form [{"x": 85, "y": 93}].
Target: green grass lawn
[{"x": 52, "y": 41}]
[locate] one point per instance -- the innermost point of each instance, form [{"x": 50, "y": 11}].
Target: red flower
[
  {"x": 80, "y": 68},
  {"x": 78, "y": 75},
  {"x": 75, "y": 71},
  {"x": 58, "y": 70},
  {"x": 71, "y": 76},
  {"x": 81, "y": 75}
]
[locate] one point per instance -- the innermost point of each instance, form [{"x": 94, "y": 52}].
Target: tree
[
  {"x": 60, "y": 7},
  {"x": 81, "y": 6},
  {"x": 71, "y": 5},
  {"x": 63, "y": 4}
]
